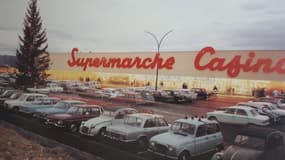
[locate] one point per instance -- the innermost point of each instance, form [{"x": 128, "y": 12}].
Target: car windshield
[
  {"x": 250, "y": 142},
  {"x": 22, "y": 97},
  {"x": 133, "y": 121},
  {"x": 61, "y": 105},
  {"x": 181, "y": 127},
  {"x": 254, "y": 112},
  {"x": 72, "y": 110},
  {"x": 15, "y": 95}
]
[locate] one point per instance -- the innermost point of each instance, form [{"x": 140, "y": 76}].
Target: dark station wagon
[
  {"x": 255, "y": 143},
  {"x": 72, "y": 119}
]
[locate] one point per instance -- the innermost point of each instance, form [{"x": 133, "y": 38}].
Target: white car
[
  {"x": 24, "y": 99},
  {"x": 54, "y": 88},
  {"x": 273, "y": 108},
  {"x": 97, "y": 126},
  {"x": 188, "y": 138},
  {"x": 38, "y": 90},
  {"x": 263, "y": 110},
  {"x": 240, "y": 115},
  {"x": 137, "y": 128}
]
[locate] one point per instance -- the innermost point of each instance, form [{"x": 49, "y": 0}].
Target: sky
[{"x": 121, "y": 25}]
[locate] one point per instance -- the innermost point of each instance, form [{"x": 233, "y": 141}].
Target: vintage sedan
[
  {"x": 39, "y": 103},
  {"x": 59, "y": 107},
  {"x": 188, "y": 138},
  {"x": 240, "y": 115},
  {"x": 14, "y": 96},
  {"x": 273, "y": 108},
  {"x": 263, "y": 110},
  {"x": 25, "y": 98},
  {"x": 72, "y": 119},
  {"x": 97, "y": 126},
  {"x": 201, "y": 93},
  {"x": 137, "y": 128},
  {"x": 255, "y": 143}
]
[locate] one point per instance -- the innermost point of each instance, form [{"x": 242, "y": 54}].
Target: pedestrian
[
  {"x": 215, "y": 90},
  {"x": 275, "y": 92}
]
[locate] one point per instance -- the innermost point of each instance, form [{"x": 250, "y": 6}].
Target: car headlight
[
  {"x": 92, "y": 126},
  {"x": 170, "y": 148},
  {"x": 219, "y": 156},
  {"x": 152, "y": 144},
  {"x": 59, "y": 122}
]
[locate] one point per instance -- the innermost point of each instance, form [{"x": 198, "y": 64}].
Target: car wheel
[
  {"x": 73, "y": 128},
  {"x": 184, "y": 156},
  {"x": 15, "y": 109},
  {"x": 101, "y": 133},
  {"x": 142, "y": 143}
]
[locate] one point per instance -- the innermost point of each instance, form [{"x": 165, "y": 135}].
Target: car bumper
[
  {"x": 162, "y": 154},
  {"x": 55, "y": 124}
]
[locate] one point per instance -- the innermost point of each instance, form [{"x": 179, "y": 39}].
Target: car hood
[
  {"x": 279, "y": 112},
  {"x": 172, "y": 139},
  {"x": 59, "y": 116},
  {"x": 13, "y": 102},
  {"x": 238, "y": 153},
  {"x": 123, "y": 129},
  {"x": 97, "y": 120}
]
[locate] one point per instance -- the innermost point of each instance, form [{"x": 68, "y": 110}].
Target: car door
[
  {"x": 212, "y": 135},
  {"x": 162, "y": 125},
  {"x": 201, "y": 140},
  {"x": 150, "y": 127},
  {"x": 227, "y": 116},
  {"x": 241, "y": 117}
]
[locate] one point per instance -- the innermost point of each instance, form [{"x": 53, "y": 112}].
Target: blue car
[
  {"x": 60, "y": 107},
  {"x": 40, "y": 103}
]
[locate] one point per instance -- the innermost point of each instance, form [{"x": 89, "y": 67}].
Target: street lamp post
[{"x": 158, "y": 49}]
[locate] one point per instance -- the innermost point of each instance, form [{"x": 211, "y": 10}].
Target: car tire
[
  {"x": 142, "y": 143},
  {"x": 101, "y": 133},
  {"x": 184, "y": 156},
  {"x": 15, "y": 109}
]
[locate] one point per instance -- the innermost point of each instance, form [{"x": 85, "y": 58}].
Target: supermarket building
[{"x": 241, "y": 70}]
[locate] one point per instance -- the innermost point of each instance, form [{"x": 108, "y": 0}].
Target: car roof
[
  {"x": 196, "y": 121},
  {"x": 241, "y": 107},
  {"x": 72, "y": 101},
  {"x": 34, "y": 94},
  {"x": 255, "y": 131},
  {"x": 145, "y": 115},
  {"x": 253, "y": 104},
  {"x": 88, "y": 106}
]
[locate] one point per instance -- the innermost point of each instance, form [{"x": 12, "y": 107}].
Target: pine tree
[{"x": 32, "y": 58}]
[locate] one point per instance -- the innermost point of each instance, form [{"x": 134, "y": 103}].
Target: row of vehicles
[
  {"x": 184, "y": 138},
  {"x": 254, "y": 142}
]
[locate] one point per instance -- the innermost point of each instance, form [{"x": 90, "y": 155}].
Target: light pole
[{"x": 158, "y": 48}]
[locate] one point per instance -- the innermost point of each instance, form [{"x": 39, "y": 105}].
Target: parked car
[
  {"x": 164, "y": 96},
  {"x": 273, "y": 107},
  {"x": 278, "y": 101},
  {"x": 59, "y": 107},
  {"x": 201, "y": 93},
  {"x": 240, "y": 115},
  {"x": 7, "y": 93},
  {"x": 97, "y": 126},
  {"x": 25, "y": 98},
  {"x": 138, "y": 128},
  {"x": 72, "y": 119},
  {"x": 55, "y": 88},
  {"x": 188, "y": 138},
  {"x": 38, "y": 90},
  {"x": 14, "y": 96},
  {"x": 263, "y": 110},
  {"x": 255, "y": 143},
  {"x": 39, "y": 103}
]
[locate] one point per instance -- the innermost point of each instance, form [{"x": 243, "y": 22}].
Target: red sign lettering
[
  {"x": 127, "y": 63},
  {"x": 235, "y": 65}
]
